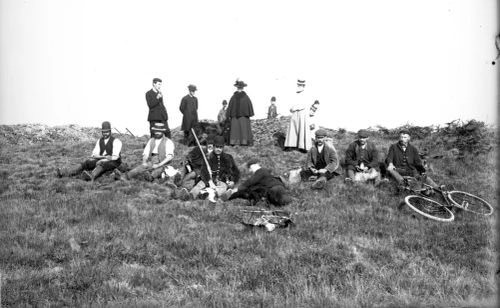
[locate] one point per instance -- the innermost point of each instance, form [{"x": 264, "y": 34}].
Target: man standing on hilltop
[
  {"x": 239, "y": 111},
  {"x": 157, "y": 111},
  {"x": 105, "y": 157},
  {"x": 189, "y": 109}
]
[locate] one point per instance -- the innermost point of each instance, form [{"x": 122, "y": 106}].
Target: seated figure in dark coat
[
  {"x": 261, "y": 185},
  {"x": 361, "y": 158}
]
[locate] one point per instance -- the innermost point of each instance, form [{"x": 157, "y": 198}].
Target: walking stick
[
  {"x": 117, "y": 131},
  {"x": 202, "y": 153},
  {"x": 129, "y": 132}
]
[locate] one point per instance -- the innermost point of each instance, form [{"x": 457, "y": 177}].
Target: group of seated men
[{"x": 219, "y": 178}]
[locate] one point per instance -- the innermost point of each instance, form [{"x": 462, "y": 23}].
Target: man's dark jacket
[
  {"x": 263, "y": 178},
  {"x": 353, "y": 155},
  {"x": 189, "y": 109},
  {"x": 396, "y": 157},
  {"x": 228, "y": 170},
  {"x": 157, "y": 111}
]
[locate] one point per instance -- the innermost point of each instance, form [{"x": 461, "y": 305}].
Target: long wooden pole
[{"x": 202, "y": 153}]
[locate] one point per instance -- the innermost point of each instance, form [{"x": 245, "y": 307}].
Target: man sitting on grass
[
  {"x": 322, "y": 162},
  {"x": 224, "y": 175},
  {"x": 361, "y": 159},
  {"x": 191, "y": 172},
  {"x": 158, "y": 152},
  {"x": 261, "y": 185},
  {"x": 403, "y": 160},
  {"x": 105, "y": 157}
]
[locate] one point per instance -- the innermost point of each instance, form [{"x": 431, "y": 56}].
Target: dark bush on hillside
[
  {"x": 472, "y": 136},
  {"x": 416, "y": 132}
]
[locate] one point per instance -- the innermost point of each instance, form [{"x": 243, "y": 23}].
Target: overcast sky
[{"x": 384, "y": 62}]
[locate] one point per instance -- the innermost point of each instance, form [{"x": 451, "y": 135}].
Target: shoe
[
  {"x": 203, "y": 195},
  {"x": 87, "y": 176},
  {"x": 178, "y": 179},
  {"x": 319, "y": 184},
  {"x": 225, "y": 196},
  {"x": 183, "y": 194},
  {"x": 117, "y": 175}
]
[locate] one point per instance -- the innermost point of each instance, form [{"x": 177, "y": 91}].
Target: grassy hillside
[{"x": 66, "y": 242}]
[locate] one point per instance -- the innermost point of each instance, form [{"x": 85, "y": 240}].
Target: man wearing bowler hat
[
  {"x": 224, "y": 175},
  {"x": 159, "y": 151},
  {"x": 105, "y": 157},
  {"x": 189, "y": 109},
  {"x": 361, "y": 158},
  {"x": 322, "y": 162}
]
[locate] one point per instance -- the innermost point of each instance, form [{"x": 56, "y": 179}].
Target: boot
[
  {"x": 74, "y": 170},
  {"x": 98, "y": 170}
]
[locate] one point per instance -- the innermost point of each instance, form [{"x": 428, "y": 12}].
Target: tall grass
[{"x": 136, "y": 247}]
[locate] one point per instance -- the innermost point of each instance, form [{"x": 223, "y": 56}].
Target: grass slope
[{"x": 66, "y": 242}]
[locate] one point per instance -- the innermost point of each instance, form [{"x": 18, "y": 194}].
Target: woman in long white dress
[{"x": 299, "y": 130}]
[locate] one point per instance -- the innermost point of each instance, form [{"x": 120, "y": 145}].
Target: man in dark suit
[
  {"x": 157, "y": 111},
  {"x": 189, "y": 109},
  {"x": 261, "y": 185}
]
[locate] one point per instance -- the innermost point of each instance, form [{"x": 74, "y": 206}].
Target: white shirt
[
  {"x": 169, "y": 148},
  {"x": 117, "y": 148}
]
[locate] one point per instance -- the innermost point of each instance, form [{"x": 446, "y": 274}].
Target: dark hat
[
  {"x": 155, "y": 80},
  {"x": 404, "y": 131},
  {"x": 106, "y": 126},
  {"x": 224, "y": 102},
  {"x": 240, "y": 84},
  {"x": 301, "y": 82},
  {"x": 252, "y": 161},
  {"x": 273, "y": 99},
  {"x": 192, "y": 87},
  {"x": 219, "y": 141},
  {"x": 363, "y": 133},
  {"x": 210, "y": 139},
  {"x": 320, "y": 133},
  {"x": 159, "y": 127}
]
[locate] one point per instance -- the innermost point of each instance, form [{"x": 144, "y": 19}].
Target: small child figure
[{"x": 272, "y": 112}]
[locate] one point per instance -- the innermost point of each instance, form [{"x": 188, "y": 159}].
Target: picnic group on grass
[{"x": 208, "y": 172}]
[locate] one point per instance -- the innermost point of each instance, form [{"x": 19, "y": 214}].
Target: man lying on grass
[
  {"x": 105, "y": 157},
  {"x": 262, "y": 185}
]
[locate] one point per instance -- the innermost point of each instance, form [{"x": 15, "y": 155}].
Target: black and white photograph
[{"x": 249, "y": 153}]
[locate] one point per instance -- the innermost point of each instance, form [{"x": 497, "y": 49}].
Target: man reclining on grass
[
  {"x": 191, "y": 172},
  {"x": 105, "y": 157},
  {"x": 261, "y": 185},
  {"x": 158, "y": 152}
]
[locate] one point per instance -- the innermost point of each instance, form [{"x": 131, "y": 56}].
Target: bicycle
[{"x": 430, "y": 208}]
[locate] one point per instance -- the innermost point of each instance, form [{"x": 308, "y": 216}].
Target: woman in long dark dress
[{"x": 239, "y": 111}]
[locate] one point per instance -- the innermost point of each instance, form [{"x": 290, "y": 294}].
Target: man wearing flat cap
[
  {"x": 322, "y": 162},
  {"x": 361, "y": 158},
  {"x": 403, "y": 159},
  {"x": 261, "y": 185},
  {"x": 157, "y": 111},
  {"x": 189, "y": 109},
  {"x": 223, "y": 173},
  {"x": 239, "y": 112},
  {"x": 105, "y": 157},
  {"x": 159, "y": 151}
]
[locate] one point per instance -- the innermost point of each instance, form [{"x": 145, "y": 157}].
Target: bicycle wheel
[
  {"x": 471, "y": 203},
  {"x": 429, "y": 208}
]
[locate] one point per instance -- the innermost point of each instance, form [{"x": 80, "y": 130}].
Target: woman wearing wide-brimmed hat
[{"x": 239, "y": 111}]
